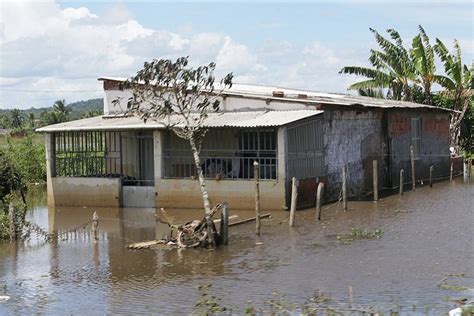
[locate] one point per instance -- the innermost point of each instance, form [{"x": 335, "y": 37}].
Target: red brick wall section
[
  {"x": 399, "y": 124},
  {"x": 436, "y": 126},
  {"x": 431, "y": 124},
  {"x": 111, "y": 85}
]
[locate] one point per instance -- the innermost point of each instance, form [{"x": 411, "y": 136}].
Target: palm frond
[
  {"x": 372, "y": 92},
  {"x": 445, "y": 82},
  {"x": 381, "y": 60},
  {"x": 369, "y": 84},
  {"x": 387, "y": 46},
  {"x": 363, "y": 71},
  {"x": 444, "y": 55},
  {"x": 419, "y": 55}
]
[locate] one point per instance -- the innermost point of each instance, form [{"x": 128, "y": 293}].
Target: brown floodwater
[{"x": 427, "y": 235}]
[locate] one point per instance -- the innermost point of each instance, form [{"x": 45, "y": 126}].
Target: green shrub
[{"x": 28, "y": 159}]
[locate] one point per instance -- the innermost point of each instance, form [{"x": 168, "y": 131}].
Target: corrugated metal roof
[
  {"x": 223, "y": 119},
  {"x": 312, "y": 97},
  {"x": 258, "y": 118}
]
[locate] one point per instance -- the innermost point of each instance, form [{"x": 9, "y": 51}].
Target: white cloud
[
  {"x": 234, "y": 56},
  {"x": 44, "y": 47}
]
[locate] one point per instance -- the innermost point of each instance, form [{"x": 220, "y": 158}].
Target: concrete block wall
[{"x": 353, "y": 138}]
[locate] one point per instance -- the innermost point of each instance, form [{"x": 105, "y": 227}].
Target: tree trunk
[
  {"x": 455, "y": 124},
  {"x": 428, "y": 100},
  {"x": 205, "y": 195}
]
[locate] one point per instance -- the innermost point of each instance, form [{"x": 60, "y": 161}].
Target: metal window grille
[
  {"x": 87, "y": 154},
  {"x": 225, "y": 154},
  {"x": 416, "y": 136}
]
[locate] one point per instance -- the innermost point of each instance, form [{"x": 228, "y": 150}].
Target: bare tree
[{"x": 183, "y": 97}]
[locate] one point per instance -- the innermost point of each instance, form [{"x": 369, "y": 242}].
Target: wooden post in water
[
  {"x": 401, "y": 181},
  {"x": 431, "y": 176},
  {"x": 375, "y": 180},
  {"x": 351, "y": 296},
  {"x": 451, "y": 172},
  {"x": 95, "y": 226},
  {"x": 294, "y": 196},
  {"x": 256, "y": 174},
  {"x": 11, "y": 221},
  {"x": 225, "y": 224},
  {"x": 412, "y": 157},
  {"x": 318, "y": 200},
  {"x": 469, "y": 167},
  {"x": 344, "y": 188}
]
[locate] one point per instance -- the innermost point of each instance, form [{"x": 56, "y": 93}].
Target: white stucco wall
[
  {"x": 98, "y": 192},
  {"x": 230, "y": 103}
]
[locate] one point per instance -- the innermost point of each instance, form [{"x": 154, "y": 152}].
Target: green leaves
[
  {"x": 403, "y": 73},
  {"x": 393, "y": 69},
  {"x": 165, "y": 89}
]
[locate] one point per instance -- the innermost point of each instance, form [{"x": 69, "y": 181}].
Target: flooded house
[{"x": 116, "y": 160}]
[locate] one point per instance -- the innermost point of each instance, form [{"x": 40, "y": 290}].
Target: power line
[{"x": 51, "y": 91}]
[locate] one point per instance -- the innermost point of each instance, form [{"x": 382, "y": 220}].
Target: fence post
[
  {"x": 375, "y": 180},
  {"x": 431, "y": 176},
  {"x": 412, "y": 158},
  {"x": 256, "y": 174},
  {"x": 225, "y": 224},
  {"x": 294, "y": 195},
  {"x": 401, "y": 181},
  {"x": 95, "y": 226},
  {"x": 318, "y": 200},
  {"x": 451, "y": 171},
  {"x": 469, "y": 167},
  {"x": 11, "y": 221},
  {"x": 344, "y": 187}
]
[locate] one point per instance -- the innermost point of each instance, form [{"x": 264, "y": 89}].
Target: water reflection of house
[{"x": 113, "y": 160}]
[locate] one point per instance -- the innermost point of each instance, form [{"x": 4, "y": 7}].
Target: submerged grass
[
  {"x": 358, "y": 234},
  {"x": 443, "y": 284},
  {"x": 279, "y": 304}
]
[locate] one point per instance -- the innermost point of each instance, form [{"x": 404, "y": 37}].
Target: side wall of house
[
  {"x": 434, "y": 144},
  {"x": 355, "y": 139}
]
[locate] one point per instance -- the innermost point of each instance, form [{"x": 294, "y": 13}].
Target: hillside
[{"x": 77, "y": 108}]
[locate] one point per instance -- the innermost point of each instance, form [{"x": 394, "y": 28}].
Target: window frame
[{"x": 416, "y": 136}]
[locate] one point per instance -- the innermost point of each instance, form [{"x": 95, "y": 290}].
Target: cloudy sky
[{"x": 57, "y": 49}]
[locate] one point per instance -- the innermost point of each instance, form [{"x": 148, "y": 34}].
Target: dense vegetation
[
  {"x": 12, "y": 187},
  {"x": 409, "y": 74},
  {"x": 21, "y": 149},
  {"x": 22, "y": 159}
]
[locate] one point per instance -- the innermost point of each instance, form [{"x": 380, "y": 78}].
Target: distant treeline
[{"x": 59, "y": 112}]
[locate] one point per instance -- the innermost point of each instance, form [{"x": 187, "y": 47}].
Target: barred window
[
  {"x": 87, "y": 154},
  {"x": 225, "y": 154}
]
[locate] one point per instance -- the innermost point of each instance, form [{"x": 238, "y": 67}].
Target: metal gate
[
  {"x": 305, "y": 160},
  {"x": 138, "y": 172}
]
